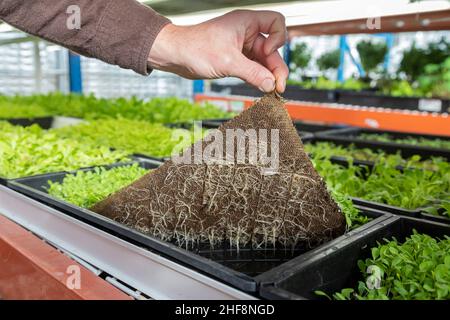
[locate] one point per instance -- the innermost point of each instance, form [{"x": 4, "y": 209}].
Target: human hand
[{"x": 229, "y": 45}]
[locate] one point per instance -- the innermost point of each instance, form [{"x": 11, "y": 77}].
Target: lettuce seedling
[
  {"x": 418, "y": 269},
  {"x": 86, "y": 188},
  {"x": 32, "y": 150}
]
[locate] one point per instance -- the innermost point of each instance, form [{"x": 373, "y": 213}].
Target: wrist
[{"x": 163, "y": 52}]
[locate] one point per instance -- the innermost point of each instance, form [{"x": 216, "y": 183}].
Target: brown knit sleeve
[{"x": 119, "y": 32}]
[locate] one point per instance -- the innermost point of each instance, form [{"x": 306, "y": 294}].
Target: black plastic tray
[
  {"x": 414, "y": 213},
  {"x": 334, "y": 266},
  {"x": 292, "y": 92},
  {"x": 369, "y": 98},
  {"x": 43, "y": 122},
  {"x": 373, "y": 99},
  {"x": 350, "y": 136},
  {"x": 4, "y": 181},
  {"x": 238, "y": 269},
  {"x": 315, "y": 128},
  {"x": 206, "y": 124}
]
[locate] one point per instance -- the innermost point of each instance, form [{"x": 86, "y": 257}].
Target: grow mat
[
  {"x": 217, "y": 191},
  {"x": 353, "y": 136},
  {"x": 334, "y": 266},
  {"x": 420, "y": 212},
  {"x": 237, "y": 268}
]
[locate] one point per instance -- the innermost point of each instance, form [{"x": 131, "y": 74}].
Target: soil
[{"x": 237, "y": 203}]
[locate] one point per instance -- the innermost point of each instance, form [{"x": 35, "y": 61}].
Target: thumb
[{"x": 253, "y": 73}]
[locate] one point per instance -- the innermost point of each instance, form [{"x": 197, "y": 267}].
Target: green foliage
[
  {"x": 435, "y": 143},
  {"x": 418, "y": 269},
  {"x": 398, "y": 88},
  {"x": 413, "y": 62},
  {"x": 435, "y": 81},
  {"x": 326, "y": 84},
  {"x": 86, "y": 188},
  {"x": 326, "y": 150},
  {"x": 371, "y": 54},
  {"x": 165, "y": 110},
  {"x": 354, "y": 84},
  {"x": 329, "y": 60},
  {"x": 353, "y": 216},
  {"x": 132, "y": 136},
  {"x": 410, "y": 188},
  {"x": 300, "y": 56},
  {"x": 10, "y": 110},
  {"x": 422, "y": 183},
  {"x": 442, "y": 210},
  {"x": 416, "y": 59},
  {"x": 32, "y": 150}
]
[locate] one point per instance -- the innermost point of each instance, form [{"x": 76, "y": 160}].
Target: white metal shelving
[{"x": 147, "y": 272}]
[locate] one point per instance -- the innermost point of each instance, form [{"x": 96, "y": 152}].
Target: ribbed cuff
[{"x": 126, "y": 34}]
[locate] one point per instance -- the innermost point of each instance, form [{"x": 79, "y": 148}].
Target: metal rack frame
[{"x": 146, "y": 271}]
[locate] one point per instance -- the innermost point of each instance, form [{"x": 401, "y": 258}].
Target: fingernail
[{"x": 267, "y": 85}]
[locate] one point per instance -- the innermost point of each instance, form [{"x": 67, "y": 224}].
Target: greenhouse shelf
[
  {"x": 146, "y": 271},
  {"x": 360, "y": 116},
  {"x": 48, "y": 270},
  {"x": 353, "y": 136},
  {"x": 365, "y": 97}
]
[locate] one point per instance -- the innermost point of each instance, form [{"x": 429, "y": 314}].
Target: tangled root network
[{"x": 234, "y": 202}]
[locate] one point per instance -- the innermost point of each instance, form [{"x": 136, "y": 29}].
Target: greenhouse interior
[{"x": 225, "y": 150}]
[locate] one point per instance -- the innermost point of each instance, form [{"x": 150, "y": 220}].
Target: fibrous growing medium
[{"x": 239, "y": 202}]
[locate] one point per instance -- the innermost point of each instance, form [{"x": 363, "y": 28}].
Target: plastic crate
[{"x": 334, "y": 267}]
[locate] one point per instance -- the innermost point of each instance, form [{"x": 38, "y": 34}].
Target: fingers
[
  {"x": 274, "y": 25},
  {"x": 273, "y": 62},
  {"x": 279, "y": 69},
  {"x": 253, "y": 73}
]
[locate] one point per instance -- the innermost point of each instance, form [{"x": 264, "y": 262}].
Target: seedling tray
[
  {"x": 315, "y": 128},
  {"x": 238, "y": 268},
  {"x": 432, "y": 217},
  {"x": 334, "y": 266},
  {"x": 206, "y": 124},
  {"x": 43, "y": 122},
  {"x": 420, "y": 213},
  {"x": 352, "y": 136},
  {"x": 374, "y": 99},
  {"x": 5, "y": 181},
  {"x": 292, "y": 92},
  {"x": 414, "y": 213}
]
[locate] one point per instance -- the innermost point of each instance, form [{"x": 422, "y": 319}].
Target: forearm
[{"x": 119, "y": 32}]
